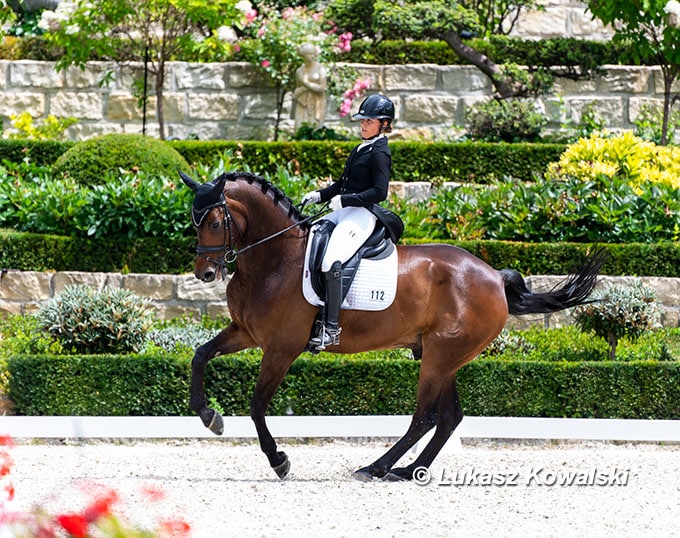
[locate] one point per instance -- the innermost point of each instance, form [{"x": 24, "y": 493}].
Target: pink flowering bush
[
  {"x": 98, "y": 518},
  {"x": 272, "y": 41}
]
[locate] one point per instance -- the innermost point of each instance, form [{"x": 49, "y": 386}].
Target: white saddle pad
[{"x": 374, "y": 287}]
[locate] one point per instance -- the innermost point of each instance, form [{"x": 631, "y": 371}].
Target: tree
[
  {"x": 650, "y": 29},
  {"x": 449, "y": 20},
  {"x": 126, "y": 31}
]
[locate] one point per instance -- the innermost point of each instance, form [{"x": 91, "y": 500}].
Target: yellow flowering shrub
[{"x": 624, "y": 155}]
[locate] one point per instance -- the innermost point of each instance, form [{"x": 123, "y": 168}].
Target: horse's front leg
[
  {"x": 272, "y": 371},
  {"x": 230, "y": 340}
]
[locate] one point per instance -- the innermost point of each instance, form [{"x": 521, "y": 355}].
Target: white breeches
[{"x": 353, "y": 225}]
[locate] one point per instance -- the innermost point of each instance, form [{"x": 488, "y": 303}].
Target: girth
[{"x": 376, "y": 247}]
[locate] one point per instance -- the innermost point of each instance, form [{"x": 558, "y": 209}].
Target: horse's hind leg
[
  {"x": 424, "y": 419},
  {"x": 230, "y": 340},
  {"x": 450, "y": 416}
]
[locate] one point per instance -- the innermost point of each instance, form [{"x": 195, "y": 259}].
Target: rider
[{"x": 353, "y": 199}]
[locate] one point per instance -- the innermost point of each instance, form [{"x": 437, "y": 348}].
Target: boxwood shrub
[{"x": 159, "y": 385}]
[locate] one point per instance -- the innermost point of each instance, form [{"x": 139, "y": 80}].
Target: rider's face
[{"x": 370, "y": 128}]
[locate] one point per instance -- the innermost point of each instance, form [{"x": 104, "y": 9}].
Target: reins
[{"x": 230, "y": 253}]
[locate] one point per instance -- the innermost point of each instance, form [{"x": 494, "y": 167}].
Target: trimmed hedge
[
  {"x": 41, "y": 252},
  {"x": 152, "y": 385},
  {"x": 477, "y": 162},
  {"x": 38, "y": 252},
  {"x": 413, "y": 161}
]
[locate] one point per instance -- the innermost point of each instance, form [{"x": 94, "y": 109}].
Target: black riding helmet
[{"x": 375, "y": 106}]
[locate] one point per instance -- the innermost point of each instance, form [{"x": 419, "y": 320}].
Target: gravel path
[{"x": 225, "y": 488}]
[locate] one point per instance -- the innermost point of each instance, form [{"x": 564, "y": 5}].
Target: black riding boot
[{"x": 330, "y": 331}]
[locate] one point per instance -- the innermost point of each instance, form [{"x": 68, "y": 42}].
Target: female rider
[{"x": 353, "y": 200}]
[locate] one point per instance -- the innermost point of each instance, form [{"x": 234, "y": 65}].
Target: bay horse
[{"x": 449, "y": 306}]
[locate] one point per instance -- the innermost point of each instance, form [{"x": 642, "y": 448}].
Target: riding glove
[
  {"x": 335, "y": 203},
  {"x": 313, "y": 197}
]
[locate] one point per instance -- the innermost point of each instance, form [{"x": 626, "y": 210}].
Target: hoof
[
  {"x": 398, "y": 475},
  {"x": 363, "y": 476},
  {"x": 366, "y": 474},
  {"x": 282, "y": 468},
  {"x": 212, "y": 420}
]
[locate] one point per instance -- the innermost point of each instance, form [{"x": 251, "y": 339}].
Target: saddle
[{"x": 377, "y": 247}]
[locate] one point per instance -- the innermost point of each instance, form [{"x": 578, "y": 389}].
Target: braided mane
[{"x": 267, "y": 186}]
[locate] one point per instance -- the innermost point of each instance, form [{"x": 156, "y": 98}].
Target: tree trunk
[
  {"x": 483, "y": 63},
  {"x": 160, "y": 78},
  {"x": 613, "y": 341}
]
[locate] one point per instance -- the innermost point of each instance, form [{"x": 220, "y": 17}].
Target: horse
[{"x": 449, "y": 306}]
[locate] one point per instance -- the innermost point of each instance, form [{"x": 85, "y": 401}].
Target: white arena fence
[{"x": 96, "y": 427}]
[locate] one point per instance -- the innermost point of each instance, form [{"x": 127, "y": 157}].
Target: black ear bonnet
[{"x": 207, "y": 197}]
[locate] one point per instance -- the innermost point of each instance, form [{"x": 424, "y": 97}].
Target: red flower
[
  {"x": 6, "y": 440},
  {"x": 101, "y": 507},
  {"x": 9, "y": 488},
  {"x": 5, "y": 463},
  {"x": 175, "y": 528},
  {"x": 75, "y": 524}
]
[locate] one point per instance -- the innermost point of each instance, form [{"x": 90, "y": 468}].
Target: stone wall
[
  {"x": 184, "y": 295},
  {"x": 231, "y": 100},
  {"x": 560, "y": 18}
]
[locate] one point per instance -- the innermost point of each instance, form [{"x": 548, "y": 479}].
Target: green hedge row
[
  {"x": 40, "y": 252},
  {"x": 413, "y": 161},
  {"x": 37, "y": 252},
  {"x": 152, "y": 385}
]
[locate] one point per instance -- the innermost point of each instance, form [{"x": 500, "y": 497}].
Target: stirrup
[{"x": 326, "y": 337}]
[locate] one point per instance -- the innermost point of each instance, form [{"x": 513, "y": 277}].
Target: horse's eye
[{"x": 215, "y": 225}]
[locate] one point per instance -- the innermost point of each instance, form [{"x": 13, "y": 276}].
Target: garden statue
[{"x": 310, "y": 92}]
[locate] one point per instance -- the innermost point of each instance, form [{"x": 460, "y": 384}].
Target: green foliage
[
  {"x": 619, "y": 312},
  {"x": 309, "y": 132},
  {"x": 507, "y": 120},
  {"x": 91, "y": 161},
  {"x": 52, "y": 128},
  {"x": 85, "y": 320},
  {"x": 623, "y": 157},
  {"x": 649, "y": 123},
  {"x": 371, "y": 383},
  {"x": 181, "y": 339},
  {"x": 125, "y": 31},
  {"x": 128, "y": 206},
  {"x": 569, "y": 210},
  {"x": 355, "y": 16}
]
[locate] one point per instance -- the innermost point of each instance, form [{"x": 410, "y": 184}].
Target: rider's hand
[
  {"x": 313, "y": 197},
  {"x": 335, "y": 203}
]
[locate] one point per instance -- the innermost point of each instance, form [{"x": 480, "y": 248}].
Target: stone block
[
  {"x": 259, "y": 106},
  {"x": 91, "y": 77},
  {"x": 670, "y": 318},
  {"x": 171, "y": 311},
  {"x": 217, "y": 309},
  {"x": 63, "y": 279},
  {"x": 122, "y": 107},
  {"x": 414, "y": 191},
  {"x": 463, "y": 79},
  {"x": 203, "y": 130},
  {"x": 30, "y": 74},
  {"x": 667, "y": 289},
  {"x": 217, "y": 107},
  {"x": 659, "y": 83},
  {"x": 626, "y": 79},
  {"x": 567, "y": 86},
  {"x": 582, "y": 25},
  {"x": 4, "y": 67},
  {"x": 637, "y": 105},
  {"x": 192, "y": 77},
  {"x": 154, "y": 287},
  {"x": 610, "y": 109},
  {"x": 430, "y": 108},
  {"x": 421, "y": 77},
  {"x": 189, "y": 288},
  {"x": 551, "y": 22},
  {"x": 25, "y": 286},
  {"x": 245, "y": 75},
  {"x": 84, "y": 105},
  {"x": 17, "y": 102}
]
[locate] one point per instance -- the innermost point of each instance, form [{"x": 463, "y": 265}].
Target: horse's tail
[{"x": 573, "y": 291}]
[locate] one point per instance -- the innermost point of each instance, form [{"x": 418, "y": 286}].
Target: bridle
[{"x": 227, "y": 248}]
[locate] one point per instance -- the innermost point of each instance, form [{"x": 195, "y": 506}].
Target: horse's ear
[
  {"x": 191, "y": 183},
  {"x": 218, "y": 186}
]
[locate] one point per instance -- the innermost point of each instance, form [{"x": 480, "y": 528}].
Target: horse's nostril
[{"x": 208, "y": 276}]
